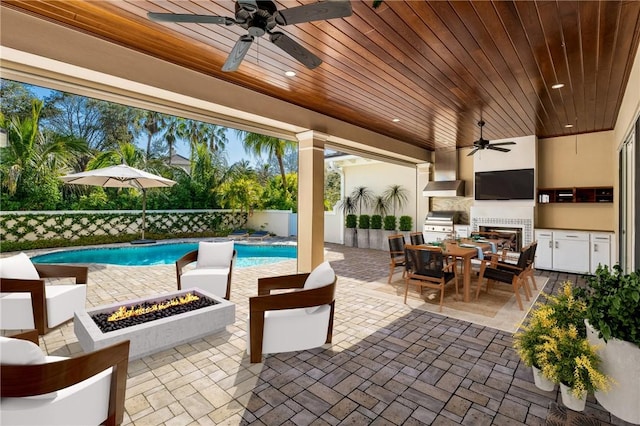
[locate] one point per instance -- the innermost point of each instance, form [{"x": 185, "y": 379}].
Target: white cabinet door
[
  {"x": 544, "y": 251},
  {"x": 600, "y": 250},
  {"x": 571, "y": 251}
]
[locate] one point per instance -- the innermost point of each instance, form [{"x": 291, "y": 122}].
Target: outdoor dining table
[{"x": 466, "y": 254}]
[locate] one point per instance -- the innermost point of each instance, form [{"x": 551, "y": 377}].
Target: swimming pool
[{"x": 164, "y": 254}]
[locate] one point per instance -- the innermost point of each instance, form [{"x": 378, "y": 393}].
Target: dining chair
[
  {"x": 515, "y": 274},
  {"x": 428, "y": 267},
  {"x": 396, "y": 251},
  {"x": 417, "y": 238}
]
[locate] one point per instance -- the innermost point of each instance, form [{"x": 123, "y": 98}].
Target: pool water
[{"x": 166, "y": 254}]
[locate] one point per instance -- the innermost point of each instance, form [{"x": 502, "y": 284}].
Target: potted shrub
[
  {"x": 612, "y": 301},
  {"x": 389, "y": 226},
  {"x": 350, "y": 233},
  {"x": 570, "y": 360},
  {"x": 363, "y": 230},
  {"x": 406, "y": 226},
  {"x": 375, "y": 232},
  {"x": 559, "y": 311}
]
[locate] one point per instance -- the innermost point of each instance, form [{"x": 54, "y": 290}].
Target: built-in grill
[{"x": 439, "y": 225}]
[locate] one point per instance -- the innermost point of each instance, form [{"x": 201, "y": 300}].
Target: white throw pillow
[
  {"x": 19, "y": 267},
  {"x": 322, "y": 275},
  {"x": 20, "y": 352},
  {"x": 214, "y": 254}
]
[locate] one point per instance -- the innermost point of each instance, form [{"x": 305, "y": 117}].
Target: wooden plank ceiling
[{"x": 436, "y": 66}]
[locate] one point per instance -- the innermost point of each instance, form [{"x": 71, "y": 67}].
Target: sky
[{"x": 234, "y": 149}]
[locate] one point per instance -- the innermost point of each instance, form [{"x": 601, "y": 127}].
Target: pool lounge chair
[
  {"x": 259, "y": 235},
  {"x": 238, "y": 234}
]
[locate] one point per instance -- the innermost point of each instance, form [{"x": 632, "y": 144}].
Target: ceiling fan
[
  {"x": 260, "y": 17},
  {"x": 485, "y": 144}
]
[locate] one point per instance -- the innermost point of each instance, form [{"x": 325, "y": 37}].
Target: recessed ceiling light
[
  {"x": 557, "y": 86},
  {"x": 395, "y": 120},
  {"x": 290, "y": 74},
  {"x": 568, "y": 126}
]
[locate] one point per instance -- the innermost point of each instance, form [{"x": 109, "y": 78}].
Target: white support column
[
  {"x": 310, "y": 199},
  {"x": 422, "y": 202}
]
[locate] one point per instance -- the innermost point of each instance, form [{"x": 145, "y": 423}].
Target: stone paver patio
[{"x": 388, "y": 364}]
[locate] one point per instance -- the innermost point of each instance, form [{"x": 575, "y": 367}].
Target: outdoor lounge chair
[
  {"x": 295, "y": 320},
  {"x": 238, "y": 234},
  {"x": 259, "y": 235},
  {"x": 214, "y": 266},
  {"x": 27, "y": 303},
  {"x": 84, "y": 390}
]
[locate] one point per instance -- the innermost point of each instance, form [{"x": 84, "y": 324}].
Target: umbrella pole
[{"x": 144, "y": 208}]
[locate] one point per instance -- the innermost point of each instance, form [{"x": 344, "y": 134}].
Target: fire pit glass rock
[{"x": 161, "y": 332}]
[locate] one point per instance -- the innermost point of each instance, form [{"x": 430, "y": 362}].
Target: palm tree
[
  {"x": 257, "y": 145},
  {"x": 31, "y": 152},
  {"x": 151, "y": 123},
  {"x": 196, "y": 132},
  {"x": 362, "y": 195},
  {"x": 397, "y": 196},
  {"x": 380, "y": 205}
]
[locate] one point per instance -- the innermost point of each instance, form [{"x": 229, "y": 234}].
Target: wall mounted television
[{"x": 505, "y": 185}]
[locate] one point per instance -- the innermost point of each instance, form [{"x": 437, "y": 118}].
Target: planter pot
[
  {"x": 375, "y": 239},
  {"x": 363, "y": 238},
  {"x": 385, "y": 239},
  {"x": 542, "y": 382},
  {"x": 350, "y": 237},
  {"x": 570, "y": 401},
  {"x": 621, "y": 362}
]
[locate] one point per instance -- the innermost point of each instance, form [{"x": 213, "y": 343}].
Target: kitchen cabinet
[
  {"x": 544, "y": 251},
  {"x": 601, "y": 250},
  {"x": 561, "y": 250},
  {"x": 462, "y": 231}
]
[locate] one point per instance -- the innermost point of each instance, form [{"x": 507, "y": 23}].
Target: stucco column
[
  {"x": 310, "y": 199},
  {"x": 422, "y": 202}
]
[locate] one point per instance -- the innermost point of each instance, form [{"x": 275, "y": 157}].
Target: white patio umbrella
[{"x": 121, "y": 176}]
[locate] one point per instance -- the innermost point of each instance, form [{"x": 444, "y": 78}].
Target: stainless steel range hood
[{"x": 446, "y": 183}]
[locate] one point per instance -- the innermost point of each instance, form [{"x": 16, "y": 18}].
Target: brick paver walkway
[{"x": 388, "y": 364}]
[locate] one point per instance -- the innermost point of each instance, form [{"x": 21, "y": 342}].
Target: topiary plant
[
  {"x": 376, "y": 221},
  {"x": 390, "y": 223},
  {"x": 406, "y": 223},
  {"x": 351, "y": 221},
  {"x": 364, "y": 221}
]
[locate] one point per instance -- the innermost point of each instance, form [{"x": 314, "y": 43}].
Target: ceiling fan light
[{"x": 558, "y": 86}]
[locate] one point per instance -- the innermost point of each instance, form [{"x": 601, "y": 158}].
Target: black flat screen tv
[{"x": 505, "y": 185}]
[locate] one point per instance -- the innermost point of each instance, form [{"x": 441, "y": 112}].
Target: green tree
[
  {"x": 257, "y": 145},
  {"x": 277, "y": 196},
  {"x": 151, "y": 123},
  {"x": 212, "y": 135},
  {"x": 16, "y": 99},
  {"x": 243, "y": 193},
  {"x": 332, "y": 184},
  {"x": 380, "y": 205},
  {"x": 397, "y": 196},
  {"x": 33, "y": 160}
]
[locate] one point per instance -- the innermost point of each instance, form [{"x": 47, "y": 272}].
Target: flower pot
[
  {"x": 542, "y": 382},
  {"x": 570, "y": 401},
  {"x": 375, "y": 239},
  {"x": 363, "y": 238},
  {"x": 350, "y": 237},
  {"x": 621, "y": 362}
]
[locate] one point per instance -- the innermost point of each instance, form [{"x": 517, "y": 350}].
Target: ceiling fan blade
[
  {"x": 248, "y": 5},
  {"x": 497, "y": 148},
  {"x": 314, "y": 12},
  {"x": 473, "y": 151},
  {"x": 503, "y": 143},
  {"x": 296, "y": 50},
  {"x": 182, "y": 17},
  {"x": 237, "y": 53}
]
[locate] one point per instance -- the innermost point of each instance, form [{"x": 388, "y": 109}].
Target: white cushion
[
  {"x": 62, "y": 301},
  {"x": 214, "y": 254},
  {"x": 289, "y": 330},
  {"x": 321, "y": 276},
  {"x": 18, "y": 267},
  {"x": 20, "y": 352},
  {"x": 212, "y": 280}
]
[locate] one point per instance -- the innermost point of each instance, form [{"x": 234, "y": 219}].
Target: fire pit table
[{"x": 157, "y": 334}]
